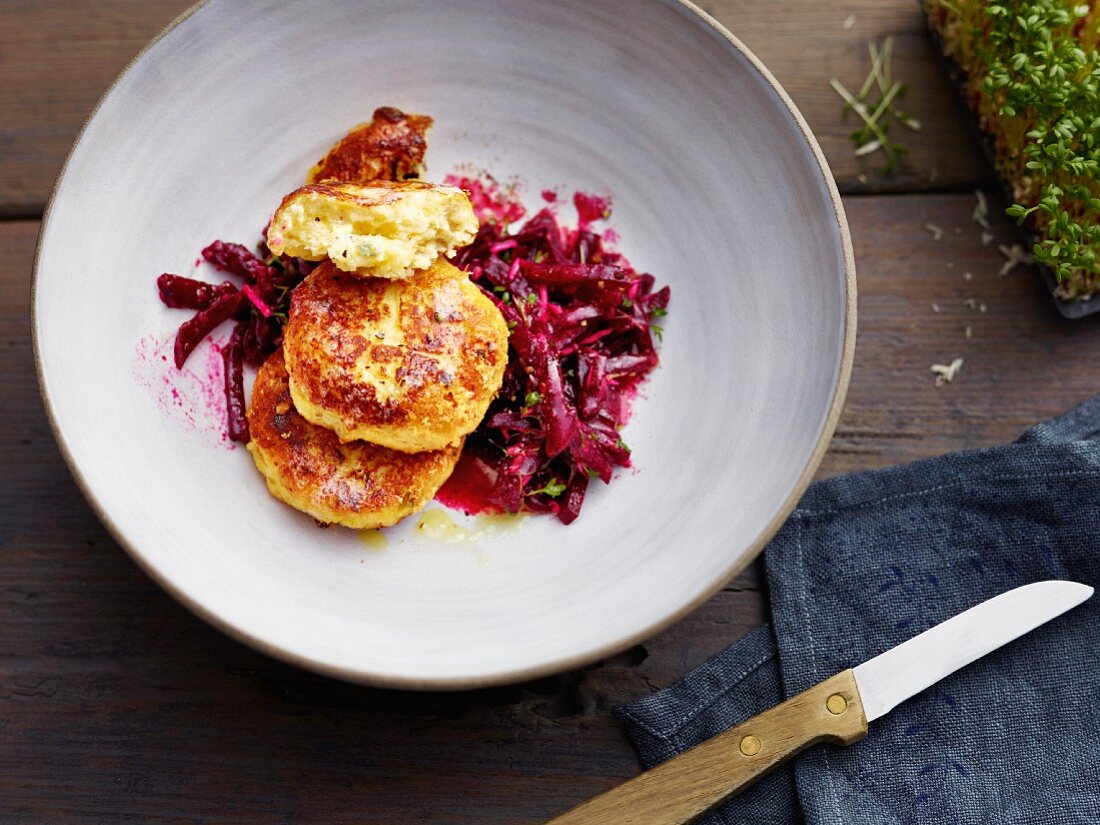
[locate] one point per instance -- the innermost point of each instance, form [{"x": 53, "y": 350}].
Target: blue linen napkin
[{"x": 867, "y": 561}]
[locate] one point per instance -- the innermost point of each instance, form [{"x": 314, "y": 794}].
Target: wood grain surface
[
  {"x": 692, "y": 783},
  {"x": 60, "y": 55},
  {"x": 116, "y": 705}
]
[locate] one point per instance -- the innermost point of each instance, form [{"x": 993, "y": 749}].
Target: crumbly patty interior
[{"x": 382, "y": 230}]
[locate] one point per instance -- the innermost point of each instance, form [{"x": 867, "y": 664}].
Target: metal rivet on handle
[{"x": 750, "y": 745}]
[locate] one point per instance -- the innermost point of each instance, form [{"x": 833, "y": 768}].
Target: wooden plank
[
  {"x": 805, "y": 43},
  {"x": 60, "y": 55},
  {"x": 1023, "y": 362},
  {"x": 117, "y": 705}
]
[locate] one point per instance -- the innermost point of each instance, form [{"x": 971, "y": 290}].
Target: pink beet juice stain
[{"x": 193, "y": 397}]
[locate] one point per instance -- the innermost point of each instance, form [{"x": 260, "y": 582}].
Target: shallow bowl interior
[{"x": 718, "y": 189}]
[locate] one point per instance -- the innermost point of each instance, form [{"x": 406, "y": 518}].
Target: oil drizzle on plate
[
  {"x": 439, "y": 525},
  {"x": 374, "y": 540},
  {"x": 493, "y": 524}
]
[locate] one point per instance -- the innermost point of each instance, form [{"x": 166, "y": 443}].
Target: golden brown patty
[
  {"x": 382, "y": 229},
  {"x": 390, "y": 147},
  {"x": 356, "y": 484},
  {"x": 411, "y": 364}
]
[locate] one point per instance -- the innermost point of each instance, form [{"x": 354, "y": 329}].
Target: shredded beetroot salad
[
  {"x": 258, "y": 305},
  {"x": 582, "y": 329}
]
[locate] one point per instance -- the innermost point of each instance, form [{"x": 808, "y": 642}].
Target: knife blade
[
  {"x": 890, "y": 678},
  {"x": 836, "y": 711}
]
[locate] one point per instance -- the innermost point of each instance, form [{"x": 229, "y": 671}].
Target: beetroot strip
[
  {"x": 179, "y": 292},
  {"x": 203, "y": 323},
  {"x": 233, "y": 371}
]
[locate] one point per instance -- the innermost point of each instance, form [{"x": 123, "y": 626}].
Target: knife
[{"x": 835, "y": 711}]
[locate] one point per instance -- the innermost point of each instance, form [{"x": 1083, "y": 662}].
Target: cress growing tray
[{"x": 1078, "y": 308}]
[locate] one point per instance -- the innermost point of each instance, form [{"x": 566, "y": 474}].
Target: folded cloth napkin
[{"x": 871, "y": 559}]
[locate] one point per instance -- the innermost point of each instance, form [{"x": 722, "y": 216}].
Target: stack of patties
[{"x": 390, "y": 357}]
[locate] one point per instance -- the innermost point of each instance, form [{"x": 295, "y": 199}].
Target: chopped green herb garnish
[
  {"x": 554, "y": 489},
  {"x": 876, "y": 106}
]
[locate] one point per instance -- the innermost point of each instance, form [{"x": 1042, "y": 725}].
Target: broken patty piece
[
  {"x": 391, "y": 146},
  {"x": 382, "y": 230}
]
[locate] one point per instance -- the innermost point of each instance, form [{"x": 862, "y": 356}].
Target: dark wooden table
[{"x": 117, "y": 705}]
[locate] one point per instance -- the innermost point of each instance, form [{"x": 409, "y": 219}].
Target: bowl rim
[{"x": 563, "y": 663}]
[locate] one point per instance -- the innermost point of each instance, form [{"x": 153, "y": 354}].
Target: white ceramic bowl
[{"x": 719, "y": 189}]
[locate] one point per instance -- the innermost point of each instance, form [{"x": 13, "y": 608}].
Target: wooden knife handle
[{"x": 687, "y": 786}]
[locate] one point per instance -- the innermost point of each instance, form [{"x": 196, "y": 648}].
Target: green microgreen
[
  {"x": 876, "y": 106},
  {"x": 553, "y": 488}
]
